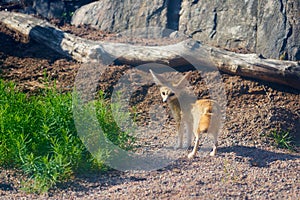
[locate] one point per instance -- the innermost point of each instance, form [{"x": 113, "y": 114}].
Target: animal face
[{"x": 165, "y": 93}]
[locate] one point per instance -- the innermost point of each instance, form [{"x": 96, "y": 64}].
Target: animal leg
[
  {"x": 214, "y": 150},
  {"x": 179, "y": 136},
  {"x": 189, "y": 135},
  {"x": 195, "y": 149}
]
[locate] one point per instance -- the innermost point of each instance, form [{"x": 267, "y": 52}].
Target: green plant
[
  {"x": 67, "y": 16},
  {"x": 282, "y": 139},
  {"x": 38, "y": 135},
  {"x": 112, "y": 118}
]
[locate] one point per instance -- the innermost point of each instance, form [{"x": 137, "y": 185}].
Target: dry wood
[{"x": 183, "y": 53}]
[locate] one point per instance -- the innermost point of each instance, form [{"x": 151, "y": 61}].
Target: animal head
[
  {"x": 167, "y": 88},
  {"x": 165, "y": 93}
]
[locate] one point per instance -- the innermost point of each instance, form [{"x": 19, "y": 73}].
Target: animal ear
[
  {"x": 183, "y": 80},
  {"x": 159, "y": 80}
]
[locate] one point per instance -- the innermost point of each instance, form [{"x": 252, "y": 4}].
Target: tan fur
[
  {"x": 207, "y": 119},
  {"x": 199, "y": 116}
]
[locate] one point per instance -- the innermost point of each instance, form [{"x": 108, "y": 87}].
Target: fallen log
[{"x": 187, "y": 52}]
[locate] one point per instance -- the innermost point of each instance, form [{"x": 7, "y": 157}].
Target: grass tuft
[
  {"x": 38, "y": 136},
  {"x": 282, "y": 139}
]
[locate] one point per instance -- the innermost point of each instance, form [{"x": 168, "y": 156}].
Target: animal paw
[
  {"x": 213, "y": 153},
  {"x": 191, "y": 155}
]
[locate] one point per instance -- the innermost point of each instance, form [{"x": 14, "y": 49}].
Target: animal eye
[{"x": 163, "y": 93}]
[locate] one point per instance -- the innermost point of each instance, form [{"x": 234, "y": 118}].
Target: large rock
[
  {"x": 49, "y": 9},
  {"x": 225, "y": 23},
  {"x": 293, "y": 41},
  {"x": 269, "y": 27},
  {"x": 278, "y": 29},
  {"x": 115, "y": 16},
  {"x": 60, "y": 9}
]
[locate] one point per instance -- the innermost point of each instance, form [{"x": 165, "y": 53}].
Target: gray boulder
[
  {"x": 225, "y": 23},
  {"x": 59, "y": 9},
  {"x": 270, "y": 27},
  {"x": 49, "y": 9},
  {"x": 278, "y": 29},
  {"x": 116, "y": 16}
]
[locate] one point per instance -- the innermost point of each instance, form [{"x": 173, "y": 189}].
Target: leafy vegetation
[
  {"x": 38, "y": 136},
  {"x": 282, "y": 139}
]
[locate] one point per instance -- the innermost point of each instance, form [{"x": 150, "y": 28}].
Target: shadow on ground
[{"x": 258, "y": 157}]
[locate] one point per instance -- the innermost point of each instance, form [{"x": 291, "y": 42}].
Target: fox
[{"x": 199, "y": 116}]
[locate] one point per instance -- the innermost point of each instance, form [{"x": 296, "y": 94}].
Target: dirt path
[{"x": 247, "y": 166}]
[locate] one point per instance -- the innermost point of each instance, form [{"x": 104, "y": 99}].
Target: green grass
[
  {"x": 282, "y": 139},
  {"x": 38, "y": 136}
]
